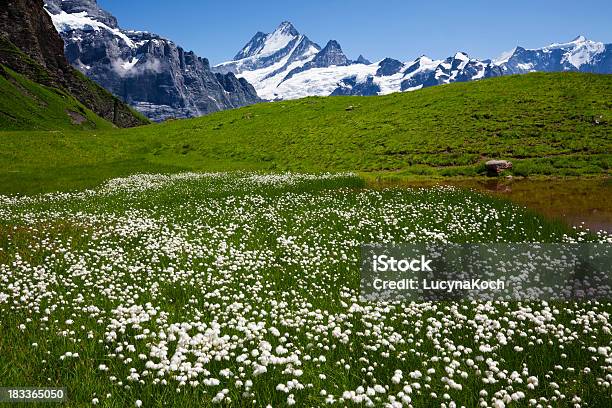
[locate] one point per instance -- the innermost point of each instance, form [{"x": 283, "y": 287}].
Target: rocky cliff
[{"x": 149, "y": 72}]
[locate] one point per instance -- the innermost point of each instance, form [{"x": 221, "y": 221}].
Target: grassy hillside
[
  {"x": 27, "y": 105},
  {"x": 30, "y": 46},
  {"x": 551, "y": 124}
]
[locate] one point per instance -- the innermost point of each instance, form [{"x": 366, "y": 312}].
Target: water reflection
[{"x": 578, "y": 202}]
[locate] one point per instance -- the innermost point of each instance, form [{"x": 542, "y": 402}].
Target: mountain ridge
[
  {"x": 164, "y": 81},
  {"x": 314, "y": 75}
]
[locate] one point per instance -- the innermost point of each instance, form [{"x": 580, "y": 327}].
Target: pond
[{"x": 578, "y": 202}]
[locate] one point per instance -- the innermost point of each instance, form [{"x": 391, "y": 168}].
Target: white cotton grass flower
[{"x": 240, "y": 287}]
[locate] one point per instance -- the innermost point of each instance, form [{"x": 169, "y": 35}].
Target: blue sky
[{"x": 377, "y": 29}]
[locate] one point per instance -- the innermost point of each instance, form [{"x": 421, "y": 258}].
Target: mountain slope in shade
[
  {"x": 149, "y": 72},
  {"x": 29, "y": 105},
  {"x": 279, "y": 70},
  {"x": 33, "y": 52}
]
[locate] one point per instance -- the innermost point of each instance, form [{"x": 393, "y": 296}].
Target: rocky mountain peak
[
  {"x": 286, "y": 28},
  {"x": 363, "y": 60},
  {"x": 273, "y": 44},
  {"x": 332, "y": 45},
  {"x": 389, "y": 66},
  {"x": 330, "y": 55},
  {"x": 252, "y": 47},
  {"x": 276, "y": 51},
  {"x": 461, "y": 56}
]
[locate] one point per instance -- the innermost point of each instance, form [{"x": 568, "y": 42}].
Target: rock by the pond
[{"x": 494, "y": 167}]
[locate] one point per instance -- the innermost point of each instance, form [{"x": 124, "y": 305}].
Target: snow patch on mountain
[
  {"x": 64, "y": 22},
  {"x": 584, "y": 53},
  {"x": 128, "y": 65},
  {"x": 320, "y": 81},
  {"x": 504, "y": 57},
  {"x": 577, "y": 52},
  {"x": 266, "y": 84},
  {"x": 276, "y": 41}
]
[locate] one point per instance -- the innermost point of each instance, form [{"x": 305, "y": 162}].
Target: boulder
[{"x": 495, "y": 167}]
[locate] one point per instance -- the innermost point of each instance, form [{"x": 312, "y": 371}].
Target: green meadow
[
  {"x": 557, "y": 124},
  {"x": 216, "y": 261}
]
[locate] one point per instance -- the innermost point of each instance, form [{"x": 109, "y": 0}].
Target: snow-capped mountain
[
  {"x": 279, "y": 69},
  {"x": 149, "y": 72},
  {"x": 577, "y": 55},
  {"x": 163, "y": 81},
  {"x": 267, "y": 58}
]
